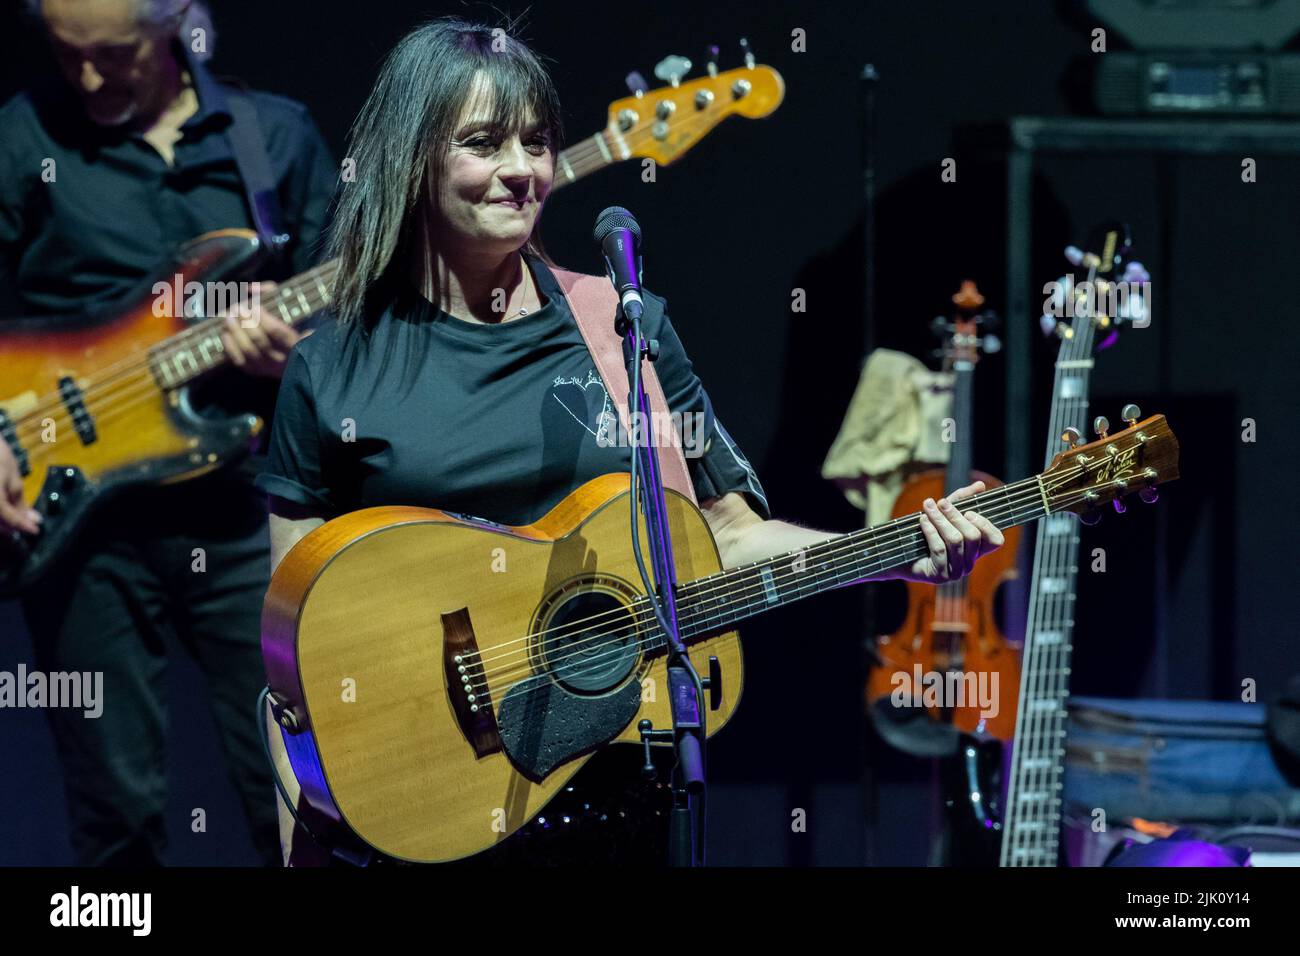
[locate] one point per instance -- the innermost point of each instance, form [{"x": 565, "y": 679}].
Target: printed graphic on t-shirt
[{"x": 587, "y": 401}]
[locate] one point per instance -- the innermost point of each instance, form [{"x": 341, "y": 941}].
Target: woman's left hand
[{"x": 956, "y": 538}]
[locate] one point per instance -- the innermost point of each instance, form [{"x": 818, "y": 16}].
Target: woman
[{"x": 456, "y": 377}]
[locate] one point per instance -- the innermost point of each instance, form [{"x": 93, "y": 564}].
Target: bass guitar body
[
  {"x": 87, "y": 407},
  {"x": 439, "y": 677}
]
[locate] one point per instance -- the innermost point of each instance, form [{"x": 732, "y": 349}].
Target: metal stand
[{"x": 685, "y": 689}]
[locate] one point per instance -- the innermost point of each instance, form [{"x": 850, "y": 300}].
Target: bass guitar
[{"x": 1032, "y": 820}]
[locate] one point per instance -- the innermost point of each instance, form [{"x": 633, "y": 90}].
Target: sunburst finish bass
[
  {"x": 439, "y": 677},
  {"x": 90, "y": 406}
]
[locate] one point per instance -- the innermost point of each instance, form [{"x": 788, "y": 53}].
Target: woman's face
[{"x": 494, "y": 181}]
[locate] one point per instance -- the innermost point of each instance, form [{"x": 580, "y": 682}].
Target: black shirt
[
  {"x": 500, "y": 421},
  {"x": 88, "y": 213}
]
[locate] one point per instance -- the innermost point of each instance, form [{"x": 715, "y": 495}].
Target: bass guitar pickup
[{"x": 75, "y": 403}]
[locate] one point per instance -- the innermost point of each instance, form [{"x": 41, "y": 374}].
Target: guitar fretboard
[
  {"x": 717, "y": 603},
  {"x": 1031, "y": 822}
]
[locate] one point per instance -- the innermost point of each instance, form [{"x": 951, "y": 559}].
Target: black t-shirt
[{"x": 496, "y": 421}]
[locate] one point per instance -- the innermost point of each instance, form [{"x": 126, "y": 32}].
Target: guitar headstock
[
  {"x": 663, "y": 124},
  {"x": 1135, "y": 459}
]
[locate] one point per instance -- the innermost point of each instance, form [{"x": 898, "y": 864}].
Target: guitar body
[
  {"x": 370, "y": 618},
  {"x": 87, "y": 414}
]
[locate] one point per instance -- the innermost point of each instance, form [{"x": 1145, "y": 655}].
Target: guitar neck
[
  {"x": 717, "y": 603},
  {"x": 178, "y": 360},
  {"x": 1031, "y": 823}
]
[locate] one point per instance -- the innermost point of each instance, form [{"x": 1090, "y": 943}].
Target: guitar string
[
  {"x": 916, "y": 541},
  {"x": 53, "y": 402},
  {"x": 907, "y": 534},
  {"x": 905, "y": 526},
  {"x": 998, "y": 498},
  {"x": 589, "y": 664}
]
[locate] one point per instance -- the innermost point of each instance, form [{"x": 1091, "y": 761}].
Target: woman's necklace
[{"x": 527, "y": 280}]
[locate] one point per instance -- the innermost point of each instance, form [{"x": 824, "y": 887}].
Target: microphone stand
[{"x": 685, "y": 689}]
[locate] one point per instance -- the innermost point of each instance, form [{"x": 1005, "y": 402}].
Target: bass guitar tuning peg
[
  {"x": 671, "y": 69},
  {"x": 636, "y": 84},
  {"x": 749, "y": 54}
]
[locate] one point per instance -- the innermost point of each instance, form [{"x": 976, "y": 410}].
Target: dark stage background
[{"x": 760, "y": 208}]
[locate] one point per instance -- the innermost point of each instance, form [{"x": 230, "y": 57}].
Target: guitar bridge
[{"x": 461, "y": 667}]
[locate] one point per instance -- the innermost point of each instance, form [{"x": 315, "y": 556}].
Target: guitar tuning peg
[
  {"x": 1120, "y": 507},
  {"x": 1071, "y": 437},
  {"x": 1101, "y": 426},
  {"x": 711, "y": 52},
  {"x": 1090, "y": 518},
  {"x": 672, "y": 68},
  {"x": 749, "y": 54},
  {"x": 636, "y": 84},
  {"x": 1130, "y": 413},
  {"x": 1149, "y": 495},
  {"x": 991, "y": 344}
]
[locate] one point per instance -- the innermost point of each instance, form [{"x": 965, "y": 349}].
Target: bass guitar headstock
[
  {"x": 663, "y": 124},
  {"x": 1106, "y": 288}
]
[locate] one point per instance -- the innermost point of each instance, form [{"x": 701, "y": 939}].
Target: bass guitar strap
[{"x": 249, "y": 149}]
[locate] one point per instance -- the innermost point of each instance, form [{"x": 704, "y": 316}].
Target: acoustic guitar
[
  {"x": 90, "y": 406},
  {"x": 438, "y": 677}
]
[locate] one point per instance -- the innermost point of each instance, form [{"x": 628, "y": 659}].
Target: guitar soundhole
[{"x": 588, "y": 640}]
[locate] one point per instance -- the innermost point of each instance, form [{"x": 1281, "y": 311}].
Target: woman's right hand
[{"x": 14, "y": 513}]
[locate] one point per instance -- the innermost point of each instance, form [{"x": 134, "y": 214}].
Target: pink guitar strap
[{"x": 592, "y": 300}]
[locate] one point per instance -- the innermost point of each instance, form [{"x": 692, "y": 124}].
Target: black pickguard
[{"x": 542, "y": 724}]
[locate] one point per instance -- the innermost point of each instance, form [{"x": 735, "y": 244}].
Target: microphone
[{"x": 619, "y": 238}]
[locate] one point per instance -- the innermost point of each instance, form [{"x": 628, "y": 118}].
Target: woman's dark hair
[{"x": 399, "y": 144}]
